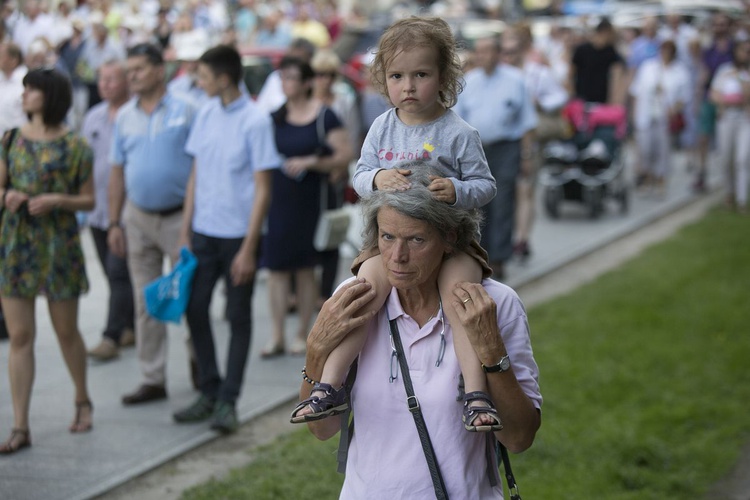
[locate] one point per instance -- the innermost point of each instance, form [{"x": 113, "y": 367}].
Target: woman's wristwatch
[{"x": 502, "y": 366}]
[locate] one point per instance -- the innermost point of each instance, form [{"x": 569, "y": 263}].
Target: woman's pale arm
[
  {"x": 517, "y": 412},
  {"x": 337, "y": 318},
  {"x": 336, "y": 162},
  {"x": 42, "y": 204}
]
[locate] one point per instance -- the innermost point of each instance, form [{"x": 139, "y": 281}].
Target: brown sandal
[
  {"x": 77, "y": 426},
  {"x": 19, "y": 439}
]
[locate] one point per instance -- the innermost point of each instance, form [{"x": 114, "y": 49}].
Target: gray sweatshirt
[{"x": 449, "y": 144}]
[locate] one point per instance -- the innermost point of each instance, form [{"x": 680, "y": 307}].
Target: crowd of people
[{"x": 93, "y": 123}]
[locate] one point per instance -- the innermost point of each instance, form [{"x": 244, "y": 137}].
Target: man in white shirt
[
  {"x": 12, "y": 72},
  {"x": 34, "y": 24},
  {"x": 227, "y": 200}
]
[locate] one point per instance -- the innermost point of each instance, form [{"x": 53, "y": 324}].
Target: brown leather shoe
[
  {"x": 106, "y": 350},
  {"x": 144, "y": 394},
  {"x": 127, "y": 338}
]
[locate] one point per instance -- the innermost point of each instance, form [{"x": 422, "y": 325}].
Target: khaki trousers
[{"x": 150, "y": 238}]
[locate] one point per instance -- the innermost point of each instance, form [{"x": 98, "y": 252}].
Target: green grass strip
[{"x": 644, "y": 374}]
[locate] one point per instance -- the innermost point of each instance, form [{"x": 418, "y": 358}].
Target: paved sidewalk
[{"x": 129, "y": 441}]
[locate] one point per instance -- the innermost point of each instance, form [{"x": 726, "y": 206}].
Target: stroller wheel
[
  {"x": 552, "y": 197},
  {"x": 594, "y": 202}
]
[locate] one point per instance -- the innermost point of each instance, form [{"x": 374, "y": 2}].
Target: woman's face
[
  {"x": 292, "y": 83},
  {"x": 32, "y": 100},
  {"x": 411, "y": 249},
  {"x": 324, "y": 80}
]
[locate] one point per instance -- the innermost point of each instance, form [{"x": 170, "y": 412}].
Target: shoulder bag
[{"x": 333, "y": 223}]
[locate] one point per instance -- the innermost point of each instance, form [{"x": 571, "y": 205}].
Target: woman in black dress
[{"x": 314, "y": 143}]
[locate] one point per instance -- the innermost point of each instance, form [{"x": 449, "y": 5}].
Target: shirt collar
[
  {"x": 236, "y": 104},
  {"x": 162, "y": 102}
]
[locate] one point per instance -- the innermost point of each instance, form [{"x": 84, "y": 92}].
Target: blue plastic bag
[{"x": 167, "y": 297}]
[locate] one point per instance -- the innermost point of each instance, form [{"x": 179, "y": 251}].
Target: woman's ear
[{"x": 450, "y": 242}]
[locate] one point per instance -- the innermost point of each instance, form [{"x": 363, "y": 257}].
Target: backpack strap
[
  {"x": 10, "y": 135},
  {"x": 8, "y": 142}
]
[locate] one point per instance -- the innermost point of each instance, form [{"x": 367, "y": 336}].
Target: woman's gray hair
[{"x": 456, "y": 226}]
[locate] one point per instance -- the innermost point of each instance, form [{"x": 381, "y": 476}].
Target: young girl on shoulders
[{"x": 417, "y": 68}]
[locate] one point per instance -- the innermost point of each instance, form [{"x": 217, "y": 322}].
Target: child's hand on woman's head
[
  {"x": 392, "y": 179},
  {"x": 442, "y": 189}
]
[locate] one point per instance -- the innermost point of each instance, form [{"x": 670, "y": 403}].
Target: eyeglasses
[{"x": 328, "y": 74}]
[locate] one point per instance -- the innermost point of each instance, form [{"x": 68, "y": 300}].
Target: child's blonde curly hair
[{"x": 421, "y": 32}]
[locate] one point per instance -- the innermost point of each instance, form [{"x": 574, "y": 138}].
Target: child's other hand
[
  {"x": 442, "y": 189},
  {"x": 392, "y": 179}
]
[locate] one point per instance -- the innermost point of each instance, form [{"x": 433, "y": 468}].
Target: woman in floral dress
[{"x": 45, "y": 177}]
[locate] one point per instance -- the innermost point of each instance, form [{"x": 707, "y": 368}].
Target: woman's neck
[
  {"x": 420, "y": 303},
  {"x": 38, "y": 130}
]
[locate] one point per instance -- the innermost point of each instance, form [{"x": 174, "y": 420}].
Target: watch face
[
  {"x": 501, "y": 366},
  {"x": 505, "y": 363}
]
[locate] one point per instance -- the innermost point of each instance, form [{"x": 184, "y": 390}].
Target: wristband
[{"x": 112, "y": 224}]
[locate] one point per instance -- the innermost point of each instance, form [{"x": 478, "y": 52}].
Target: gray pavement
[{"x": 127, "y": 442}]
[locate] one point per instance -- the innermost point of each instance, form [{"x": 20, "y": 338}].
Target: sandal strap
[
  {"x": 472, "y": 412},
  {"x": 478, "y": 396},
  {"x": 319, "y": 404},
  {"x": 84, "y": 404},
  {"x": 322, "y": 386}
]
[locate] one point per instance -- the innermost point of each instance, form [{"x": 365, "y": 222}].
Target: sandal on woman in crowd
[
  {"x": 81, "y": 424},
  {"x": 333, "y": 402},
  {"x": 472, "y": 412},
  {"x": 272, "y": 350},
  {"x": 19, "y": 439}
]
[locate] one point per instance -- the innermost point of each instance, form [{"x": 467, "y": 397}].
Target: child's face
[{"x": 413, "y": 80}]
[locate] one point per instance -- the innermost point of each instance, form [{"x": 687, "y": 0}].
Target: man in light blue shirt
[
  {"x": 228, "y": 197},
  {"x": 149, "y": 177},
  {"x": 496, "y": 102},
  {"x": 98, "y": 128}
]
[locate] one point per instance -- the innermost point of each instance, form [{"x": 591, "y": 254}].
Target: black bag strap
[
  {"x": 515, "y": 494},
  {"x": 496, "y": 451},
  {"x": 347, "y": 424},
  {"x": 10, "y": 135},
  {"x": 416, "y": 412}
]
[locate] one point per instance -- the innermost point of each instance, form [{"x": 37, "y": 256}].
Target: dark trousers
[
  {"x": 504, "y": 159},
  {"x": 215, "y": 257},
  {"x": 121, "y": 313}
]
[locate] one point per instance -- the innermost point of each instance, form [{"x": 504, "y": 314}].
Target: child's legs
[
  {"x": 346, "y": 352},
  {"x": 462, "y": 267}
]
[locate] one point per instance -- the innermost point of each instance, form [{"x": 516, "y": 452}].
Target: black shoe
[
  {"x": 224, "y": 418},
  {"x": 145, "y": 394},
  {"x": 200, "y": 410}
]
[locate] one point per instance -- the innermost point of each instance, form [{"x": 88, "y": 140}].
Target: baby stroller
[{"x": 589, "y": 167}]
